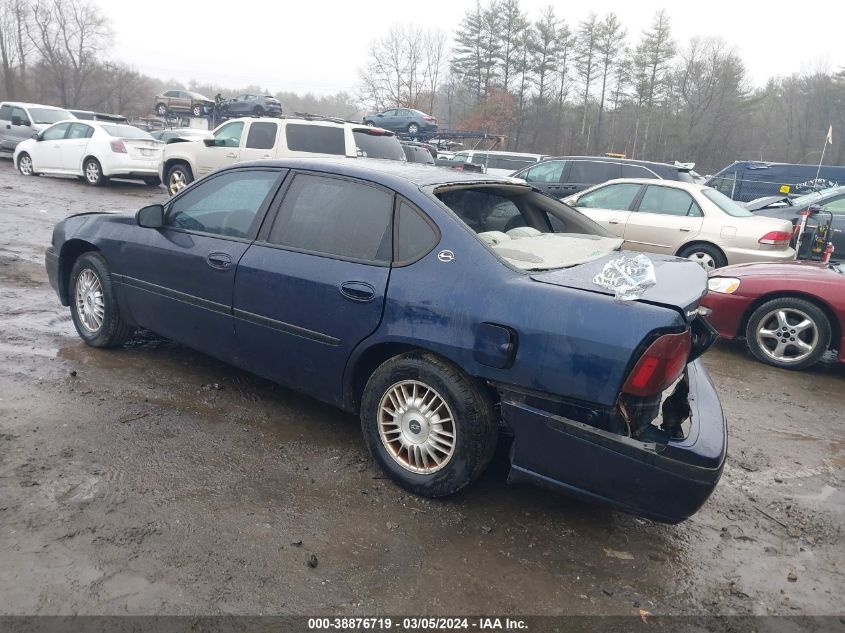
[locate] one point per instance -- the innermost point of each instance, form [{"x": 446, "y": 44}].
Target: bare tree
[
  {"x": 610, "y": 48},
  {"x": 69, "y": 36},
  {"x": 14, "y": 45},
  {"x": 514, "y": 24},
  {"x": 653, "y": 59},
  {"x": 585, "y": 60}
]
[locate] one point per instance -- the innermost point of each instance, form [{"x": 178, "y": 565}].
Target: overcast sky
[{"x": 318, "y": 46}]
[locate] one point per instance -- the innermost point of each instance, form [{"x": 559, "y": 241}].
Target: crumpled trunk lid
[{"x": 680, "y": 283}]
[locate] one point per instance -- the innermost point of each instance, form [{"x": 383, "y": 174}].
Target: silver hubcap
[
  {"x": 177, "y": 182},
  {"x": 90, "y": 305},
  {"x": 416, "y": 427},
  {"x": 25, "y": 165},
  {"x": 704, "y": 259},
  {"x": 92, "y": 172},
  {"x": 413, "y": 129},
  {"x": 787, "y": 335}
]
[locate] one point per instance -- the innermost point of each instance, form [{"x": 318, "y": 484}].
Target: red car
[{"x": 789, "y": 313}]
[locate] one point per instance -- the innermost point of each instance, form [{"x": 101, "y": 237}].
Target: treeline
[
  {"x": 57, "y": 52},
  {"x": 588, "y": 88}
]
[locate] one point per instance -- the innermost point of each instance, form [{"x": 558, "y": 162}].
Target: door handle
[
  {"x": 357, "y": 291},
  {"x": 613, "y": 222},
  {"x": 219, "y": 261},
  {"x": 231, "y": 155},
  {"x": 685, "y": 229}
]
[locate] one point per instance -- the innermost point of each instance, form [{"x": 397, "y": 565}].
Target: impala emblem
[{"x": 445, "y": 256}]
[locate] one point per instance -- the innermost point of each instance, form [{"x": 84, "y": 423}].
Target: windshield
[
  {"x": 377, "y": 144},
  {"x": 125, "y": 131},
  {"x": 526, "y": 229},
  {"x": 726, "y": 204},
  {"x": 807, "y": 199},
  {"x": 49, "y": 115}
]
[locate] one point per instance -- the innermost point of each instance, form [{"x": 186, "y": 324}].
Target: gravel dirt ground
[{"x": 155, "y": 480}]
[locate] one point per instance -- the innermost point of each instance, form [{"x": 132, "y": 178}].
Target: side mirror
[
  {"x": 151, "y": 217},
  {"x": 213, "y": 142},
  {"x": 379, "y": 115},
  {"x": 36, "y": 136}
]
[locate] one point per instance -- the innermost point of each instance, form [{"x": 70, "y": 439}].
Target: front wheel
[
  {"x": 25, "y": 165},
  {"x": 788, "y": 332},
  {"x": 161, "y": 110},
  {"x": 429, "y": 425},
  {"x": 93, "y": 303},
  {"x": 707, "y": 256},
  {"x": 197, "y": 110},
  {"x": 93, "y": 172},
  {"x": 413, "y": 128},
  {"x": 178, "y": 177},
  {"x": 258, "y": 111}
]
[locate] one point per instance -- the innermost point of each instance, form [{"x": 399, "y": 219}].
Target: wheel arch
[
  {"x": 96, "y": 158},
  {"x": 697, "y": 242},
  {"x": 71, "y": 251},
  {"x": 835, "y": 326},
  {"x": 172, "y": 162}
]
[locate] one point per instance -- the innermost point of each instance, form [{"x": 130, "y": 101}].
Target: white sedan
[
  {"x": 92, "y": 150},
  {"x": 684, "y": 219}
]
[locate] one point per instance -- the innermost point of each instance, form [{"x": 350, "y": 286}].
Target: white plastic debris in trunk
[{"x": 628, "y": 277}]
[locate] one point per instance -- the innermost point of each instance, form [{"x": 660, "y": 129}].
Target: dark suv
[{"x": 561, "y": 177}]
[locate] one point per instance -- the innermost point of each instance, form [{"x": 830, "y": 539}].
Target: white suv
[{"x": 241, "y": 140}]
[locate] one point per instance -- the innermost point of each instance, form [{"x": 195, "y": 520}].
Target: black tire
[
  {"x": 475, "y": 427},
  {"x": 113, "y": 330},
  {"x": 258, "y": 111},
  {"x": 23, "y": 160},
  {"x": 370, "y": 123},
  {"x": 93, "y": 172},
  {"x": 796, "y": 310},
  {"x": 161, "y": 110},
  {"x": 153, "y": 181},
  {"x": 413, "y": 128},
  {"x": 709, "y": 256},
  {"x": 196, "y": 110},
  {"x": 186, "y": 176}
]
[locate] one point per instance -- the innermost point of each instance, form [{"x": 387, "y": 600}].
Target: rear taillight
[
  {"x": 777, "y": 238},
  {"x": 660, "y": 365},
  {"x": 430, "y": 118},
  {"x": 118, "y": 147}
]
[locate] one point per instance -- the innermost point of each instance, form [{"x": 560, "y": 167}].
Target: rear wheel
[
  {"x": 413, "y": 128},
  {"x": 197, "y": 110},
  {"x": 161, "y": 110},
  {"x": 788, "y": 332},
  {"x": 178, "y": 177},
  {"x": 258, "y": 111},
  {"x": 93, "y": 303},
  {"x": 429, "y": 425},
  {"x": 707, "y": 255},
  {"x": 25, "y": 164},
  {"x": 93, "y": 172}
]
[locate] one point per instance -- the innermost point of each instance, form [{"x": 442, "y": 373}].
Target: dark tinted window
[
  {"x": 418, "y": 155},
  {"x": 668, "y": 201},
  {"x": 262, "y": 135},
  {"x": 80, "y": 130},
  {"x": 372, "y": 144},
  {"x": 636, "y": 171},
  {"x": 511, "y": 163},
  {"x": 593, "y": 172},
  {"x": 550, "y": 171},
  {"x": 55, "y": 133},
  {"x": 224, "y": 205},
  {"x": 336, "y": 217},
  {"x": 316, "y": 139},
  {"x": 415, "y": 237}
]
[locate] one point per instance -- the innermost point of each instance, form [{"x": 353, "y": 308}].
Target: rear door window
[
  {"x": 315, "y": 139},
  {"x": 668, "y": 201},
  {"x": 262, "y": 135},
  {"x": 6, "y": 113},
  {"x": 80, "y": 130},
  {"x": 550, "y": 171},
  {"x": 614, "y": 197},
  {"x": 637, "y": 171},
  {"x": 593, "y": 172},
  {"x": 335, "y": 216}
]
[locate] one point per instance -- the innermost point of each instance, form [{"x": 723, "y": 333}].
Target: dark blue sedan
[{"x": 450, "y": 310}]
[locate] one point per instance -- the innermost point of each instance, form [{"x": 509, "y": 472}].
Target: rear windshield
[
  {"x": 418, "y": 155},
  {"x": 48, "y": 115},
  {"x": 316, "y": 139},
  {"x": 372, "y": 144},
  {"x": 125, "y": 131},
  {"x": 528, "y": 230},
  {"x": 726, "y": 204}
]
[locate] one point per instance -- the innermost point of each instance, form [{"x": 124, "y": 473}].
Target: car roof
[
  {"x": 23, "y": 104},
  {"x": 611, "y": 159},
  {"x": 500, "y": 153},
  {"x": 675, "y": 184},
  {"x": 365, "y": 168}
]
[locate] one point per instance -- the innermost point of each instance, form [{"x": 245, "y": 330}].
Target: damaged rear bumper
[{"x": 666, "y": 481}]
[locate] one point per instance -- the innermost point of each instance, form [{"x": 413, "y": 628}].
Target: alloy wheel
[
  {"x": 705, "y": 260},
  {"x": 90, "y": 304},
  {"x": 92, "y": 172},
  {"x": 177, "y": 182},
  {"x": 25, "y": 165},
  {"x": 416, "y": 427},
  {"x": 787, "y": 335}
]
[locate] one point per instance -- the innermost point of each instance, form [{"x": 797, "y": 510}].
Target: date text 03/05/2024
[{"x": 418, "y": 623}]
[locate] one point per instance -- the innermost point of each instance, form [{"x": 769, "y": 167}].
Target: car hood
[
  {"x": 768, "y": 201},
  {"x": 792, "y": 270},
  {"x": 680, "y": 283}
]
